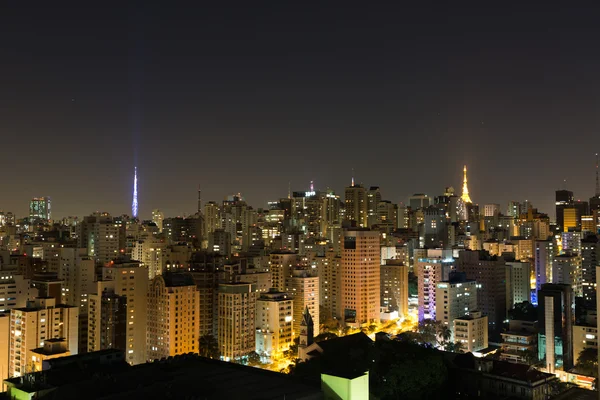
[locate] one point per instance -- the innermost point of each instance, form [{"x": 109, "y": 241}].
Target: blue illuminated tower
[{"x": 134, "y": 204}]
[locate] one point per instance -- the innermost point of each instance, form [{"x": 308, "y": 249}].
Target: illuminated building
[
  {"x": 281, "y": 264},
  {"x": 117, "y": 312},
  {"x": 518, "y": 283},
  {"x": 387, "y": 216},
  {"x": 101, "y": 235},
  {"x": 173, "y": 310},
  {"x": 519, "y": 341},
  {"x": 431, "y": 269},
  {"x": 491, "y": 210},
  {"x": 52, "y": 348},
  {"x": 40, "y": 208},
  {"x": 465, "y": 190},
  {"x": 471, "y": 331},
  {"x": 589, "y": 260},
  {"x": 434, "y": 232},
  {"x": 356, "y": 205},
  {"x": 329, "y": 273},
  {"x": 570, "y": 218},
  {"x": 373, "y": 200},
  {"x": 455, "y": 298},
  {"x": 588, "y": 224},
  {"x": 567, "y": 270},
  {"x": 584, "y": 337},
  {"x": 490, "y": 274},
  {"x": 219, "y": 242},
  {"x": 555, "y": 304},
  {"x": 419, "y": 200},
  {"x": 360, "y": 278},
  {"x": 15, "y": 291},
  {"x": 212, "y": 218},
  {"x": 31, "y": 326},
  {"x": 394, "y": 287},
  {"x": 158, "y": 217},
  {"x": 564, "y": 198},
  {"x": 150, "y": 252},
  {"x": 274, "y": 320},
  {"x": 236, "y": 320},
  {"x": 544, "y": 256},
  {"x": 303, "y": 289},
  {"x": 134, "y": 203}
]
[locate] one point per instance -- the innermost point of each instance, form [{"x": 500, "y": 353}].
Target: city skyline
[{"x": 406, "y": 95}]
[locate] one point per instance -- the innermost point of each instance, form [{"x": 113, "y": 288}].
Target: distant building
[
  {"x": 236, "y": 320},
  {"x": 431, "y": 268},
  {"x": 356, "y": 205},
  {"x": 394, "y": 287},
  {"x": 40, "y": 208}
]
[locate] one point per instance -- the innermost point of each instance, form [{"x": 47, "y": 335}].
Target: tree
[
  {"x": 253, "y": 359},
  {"x": 443, "y": 332},
  {"x": 587, "y": 362},
  {"x": 524, "y": 311},
  {"x": 208, "y": 347},
  {"x": 325, "y": 336}
]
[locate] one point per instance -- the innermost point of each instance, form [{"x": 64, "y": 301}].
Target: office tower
[
  {"x": 394, "y": 287},
  {"x": 356, "y": 205},
  {"x": 303, "y": 289},
  {"x": 309, "y": 213},
  {"x": 329, "y": 273},
  {"x": 471, "y": 331},
  {"x": 274, "y": 321},
  {"x": 158, "y": 217},
  {"x": 571, "y": 218},
  {"x": 419, "y": 200},
  {"x": 564, "y": 199},
  {"x": 333, "y": 207},
  {"x": 120, "y": 326},
  {"x": 403, "y": 216},
  {"x": 40, "y": 208},
  {"x": 465, "y": 190},
  {"x": 212, "y": 217},
  {"x": 31, "y": 326},
  {"x": 134, "y": 202},
  {"x": 518, "y": 283},
  {"x": 455, "y": 297},
  {"x": 567, "y": 270},
  {"x": 491, "y": 210},
  {"x": 373, "y": 200},
  {"x": 589, "y": 260},
  {"x": 173, "y": 310},
  {"x": 150, "y": 252},
  {"x": 360, "y": 276},
  {"x": 490, "y": 274},
  {"x": 555, "y": 319},
  {"x": 431, "y": 267},
  {"x": 236, "y": 320},
  {"x": 588, "y": 224},
  {"x": 101, "y": 235}
]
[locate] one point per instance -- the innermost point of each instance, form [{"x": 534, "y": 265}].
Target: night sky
[{"x": 245, "y": 99}]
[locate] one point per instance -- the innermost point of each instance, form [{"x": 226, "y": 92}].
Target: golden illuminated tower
[{"x": 465, "y": 191}]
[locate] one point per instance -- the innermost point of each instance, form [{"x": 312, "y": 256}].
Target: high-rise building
[
  {"x": 490, "y": 274},
  {"x": 491, "y": 210},
  {"x": 567, "y": 270},
  {"x": 544, "y": 256},
  {"x": 15, "y": 291},
  {"x": 590, "y": 257},
  {"x": 158, "y": 217},
  {"x": 373, "y": 200},
  {"x": 455, "y": 298},
  {"x": 329, "y": 273},
  {"x": 303, "y": 289},
  {"x": 103, "y": 238},
  {"x": 360, "y": 276},
  {"x": 518, "y": 283},
  {"x": 555, "y": 318},
  {"x": 120, "y": 326},
  {"x": 471, "y": 331},
  {"x": 40, "y": 208},
  {"x": 431, "y": 267},
  {"x": 394, "y": 287},
  {"x": 274, "y": 320},
  {"x": 356, "y": 205},
  {"x": 150, "y": 252},
  {"x": 173, "y": 310},
  {"x": 419, "y": 200},
  {"x": 212, "y": 218},
  {"x": 31, "y": 326},
  {"x": 236, "y": 320},
  {"x": 564, "y": 199}
]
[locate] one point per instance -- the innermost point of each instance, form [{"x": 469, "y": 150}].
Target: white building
[
  {"x": 274, "y": 320},
  {"x": 471, "y": 331},
  {"x": 455, "y": 298}
]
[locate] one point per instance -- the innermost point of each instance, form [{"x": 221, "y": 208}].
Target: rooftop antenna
[
  {"x": 352, "y": 176},
  {"x": 199, "y": 200},
  {"x": 597, "y": 181},
  {"x": 312, "y": 186},
  {"x": 289, "y": 190}
]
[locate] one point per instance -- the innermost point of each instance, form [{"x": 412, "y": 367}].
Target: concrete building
[
  {"x": 518, "y": 283},
  {"x": 158, "y": 217},
  {"x": 519, "y": 342},
  {"x": 274, "y": 321},
  {"x": 360, "y": 277},
  {"x": 490, "y": 274},
  {"x": 15, "y": 291},
  {"x": 52, "y": 348},
  {"x": 212, "y": 217},
  {"x": 102, "y": 237},
  {"x": 471, "y": 331},
  {"x": 355, "y": 200},
  {"x": 555, "y": 321},
  {"x": 491, "y": 210},
  {"x": 329, "y": 273},
  {"x": 31, "y": 326},
  {"x": 543, "y": 256},
  {"x": 150, "y": 252},
  {"x": 431, "y": 268},
  {"x": 584, "y": 337},
  {"x": 173, "y": 310},
  {"x": 236, "y": 320},
  {"x": 567, "y": 270},
  {"x": 455, "y": 298},
  {"x": 281, "y": 264},
  {"x": 303, "y": 289},
  {"x": 40, "y": 208},
  {"x": 394, "y": 287},
  {"x": 589, "y": 260},
  {"x": 117, "y": 312}
]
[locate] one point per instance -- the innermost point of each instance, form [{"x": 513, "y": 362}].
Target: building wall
[{"x": 236, "y": 320}]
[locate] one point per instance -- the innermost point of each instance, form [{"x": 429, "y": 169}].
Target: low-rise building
[
  {"x": 471, "y": 331},
  {"x": 519, "y": 343}
]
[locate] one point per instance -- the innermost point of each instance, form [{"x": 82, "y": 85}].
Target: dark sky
[{"x": 247, "y": 98}]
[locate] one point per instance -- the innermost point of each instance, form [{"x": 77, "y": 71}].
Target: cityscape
[{"x": 299, "y": 202}]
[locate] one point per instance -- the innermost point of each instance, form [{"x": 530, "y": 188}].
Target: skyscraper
[
  {"x": 356, "y": 205},
  {"x": 134, "y": 204},
  {"x": 555, "y": 318},
  {"x": 564, "y": 199},
  {"x": 39, "y": 208}
]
